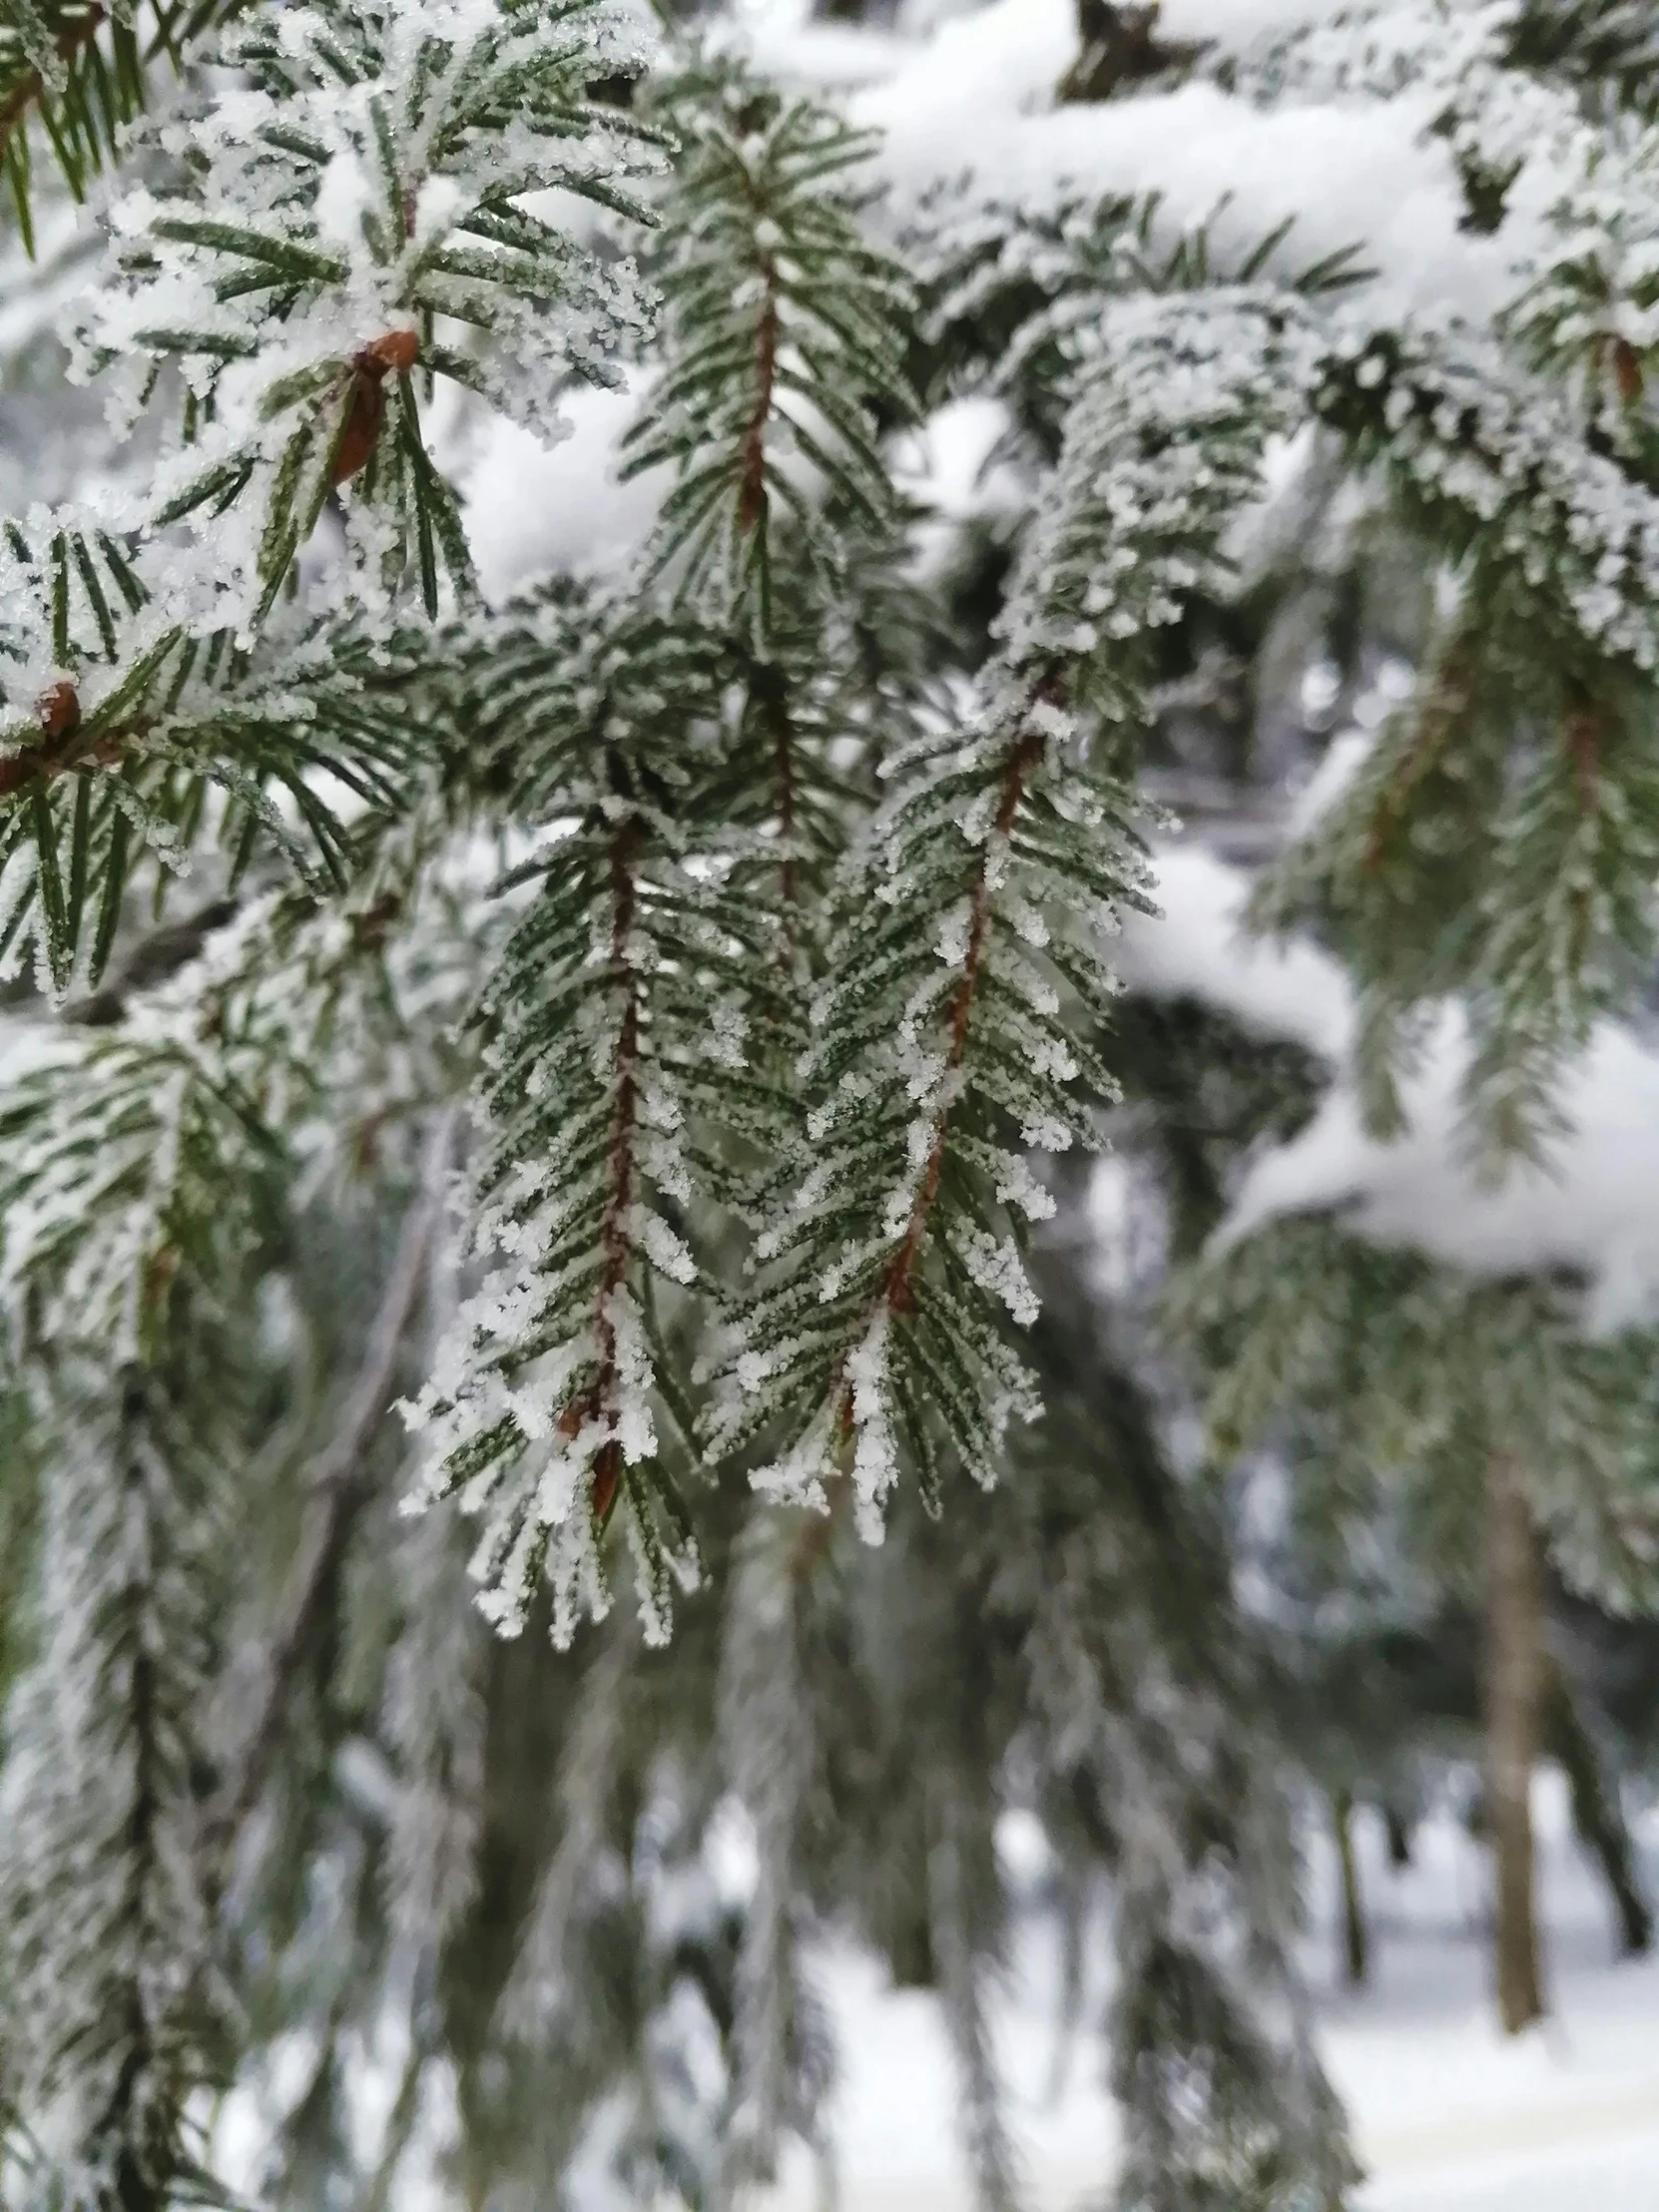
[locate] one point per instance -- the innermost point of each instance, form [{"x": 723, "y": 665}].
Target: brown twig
[
  {"x": 752, "y": 498},
  {"x": 896, "y": 1283},
  {"x": 615, "y": 1239}
]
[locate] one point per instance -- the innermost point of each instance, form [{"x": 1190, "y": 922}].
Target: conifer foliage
[{"x": 746, "y": 922}]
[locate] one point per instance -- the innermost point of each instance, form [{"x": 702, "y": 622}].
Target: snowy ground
[{"x": 1448, "y": 2117}]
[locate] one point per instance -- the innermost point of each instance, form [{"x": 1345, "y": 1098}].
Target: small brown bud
[
  {"x": 59, "y": 709},
  {"x": 362, "y": 428},
  {"x": 371, "y": 926},
  {"x": 391, "y": 354}
]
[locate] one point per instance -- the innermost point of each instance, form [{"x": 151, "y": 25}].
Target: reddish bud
[
  {"x": 59, "y": 711},
  {"x": 391, "y": 354},
  {"x": 362, "y": 427}
]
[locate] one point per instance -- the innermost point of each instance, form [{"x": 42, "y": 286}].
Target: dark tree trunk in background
[
  {"x": 1597, "y": 1814},
  {"x": 1355, "y": 1946},
  {"x": 1515, "y": 1704}
]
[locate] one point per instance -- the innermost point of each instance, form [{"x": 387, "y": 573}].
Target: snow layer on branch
[
  {"x": 532, "y": 509},
  {"x": 781, "y": 39},
  {"x": 978, "y": 96},
  {"x": 1595, "y": 1207},
  {"x": 1198, "y": 948}
]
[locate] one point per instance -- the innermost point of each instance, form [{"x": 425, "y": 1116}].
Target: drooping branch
[
  {"x": 615, "y": 1233},
  {"x": 754, "y": 508},
  {"x": 140, "y": 2166},
  {"x": 1023, "y": 757},
  {"x": 752, "y": 498},
  {"x": 341, "y": 1486}
]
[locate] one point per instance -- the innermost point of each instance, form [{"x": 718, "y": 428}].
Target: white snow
[
  {"x": 531, "y": 508},
  {"x": 1594, "y": 1207},
  {"x": 1447, "y": 2115},
  {"x": 1198, "y": 948},
  {"x": 781, "y": 39},
  {"x": 978, "y": 97},
  {"x": 951, "y": 468}
]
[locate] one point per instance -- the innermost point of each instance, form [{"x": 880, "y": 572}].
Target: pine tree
[{"x": 720, "y": 950}]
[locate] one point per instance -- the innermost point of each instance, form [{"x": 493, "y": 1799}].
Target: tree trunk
[
  {"x": 1513, "y": 1687},
  {"x": 1354, "y": 1947},
  {"x": 1597, "y": 1815}
]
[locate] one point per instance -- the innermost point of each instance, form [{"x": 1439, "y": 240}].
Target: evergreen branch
[
  {"x": 237, "y": 276},
  {"x": 126, "y": 702},
  {"x": 938, "y": 1053},
  {"x": 340, "y": 1485},
  {"x": 784, "y": 338},
  {"x": 618, "y": 1015},
  {"x": 599, "y": 1401},
  {"x": 896, "y": 1283},
  {"x": 31, "y": 86}
]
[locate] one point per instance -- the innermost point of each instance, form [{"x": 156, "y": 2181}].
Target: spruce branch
[
  {"x": 297, "y": 331},
  {"x": 104, "y": 2022},
  {"x": 340, "y": 1484},
  {"x": 970, "y": 911},
  {"x": 82, "y": 68},
  {"x": 617, "y": 1020},
  {"x": 896, "y": 1289},
  {"x": 784, "y": 339},
  {"x": 134, "y": 725}
]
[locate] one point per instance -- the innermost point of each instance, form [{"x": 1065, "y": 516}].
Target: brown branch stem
[
  {"x": 65, "y": 752},
  {"x": 896, "y": 1283},
  {"x": 752, "y": 495},
  {"x": 615, "y": 1238}
]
